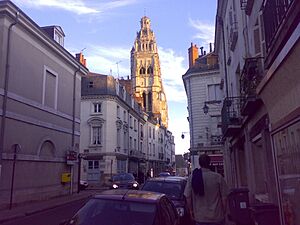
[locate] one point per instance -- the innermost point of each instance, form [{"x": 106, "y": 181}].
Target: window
[
  {"x": 142, "y": 70},
  {"x": 154, "y": 149},
  {"x": 125, "y": 116},
  {"x": 214, "y": 92},
  {"x": 134, "y": 124},
  {"x": 153, "y": 133},
  {"x": 97, "y": 107},
  {"x": 50, "y": 88},
  {"x": 134, "y": 144},
  {"x": 93, "y": 164},
  {"x": 149, "y": 132},
  {"x": 121, "y": 166},
  {"x": 91, "y": 84},
  {"x": 96, "y": 135},
  {"x": 118, "y": 112},
  {"x": 118, "y": 139},
  {"x": 130, "y": 143},
  {"x": 130, "y": 121}
]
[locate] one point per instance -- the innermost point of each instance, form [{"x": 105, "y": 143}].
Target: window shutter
[{"x": 256, "y": 41}]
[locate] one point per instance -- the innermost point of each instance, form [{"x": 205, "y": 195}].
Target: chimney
[
  {"x": 193, "y": 55},
  {"x": 80, "y": 58},
  {"x": 210, "y": 47},
  {"x": 201, "y": 48}
]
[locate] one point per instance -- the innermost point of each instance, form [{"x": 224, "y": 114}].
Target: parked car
[
  {"x": 173, "y": 187},
  {"x": 164, "y": 174},
  {"x": 124, "y": 181},
  {"x": 126, "y": 207},
  {"x": 83, "y": 184}
]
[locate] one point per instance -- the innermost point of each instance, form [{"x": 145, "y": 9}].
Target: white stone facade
[
  {"x": 128, "y": 142},
  {"x": 203, "y": 86}
]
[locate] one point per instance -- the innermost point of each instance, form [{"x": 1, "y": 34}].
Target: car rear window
[
  {"x": 115, "y": 212},
  {"x": 123, "y": 177},
  {"x": 174, "y": 190}
]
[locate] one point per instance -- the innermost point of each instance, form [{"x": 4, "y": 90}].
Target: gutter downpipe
[
  {"x": 224, "y": 53},
  {"x": 6, "y": 79},
  {"x": 73, "y": 134}
]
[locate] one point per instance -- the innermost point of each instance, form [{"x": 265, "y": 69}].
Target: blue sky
[{"x": 106, "y": 30}]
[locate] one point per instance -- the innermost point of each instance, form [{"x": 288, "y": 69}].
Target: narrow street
[{"x": 50, "y": 217}]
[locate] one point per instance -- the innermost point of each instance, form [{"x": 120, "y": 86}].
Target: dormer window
[{"x": 58, "y": 38}]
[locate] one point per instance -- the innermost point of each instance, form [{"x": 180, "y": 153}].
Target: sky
[{"x": 105, "y": 30}]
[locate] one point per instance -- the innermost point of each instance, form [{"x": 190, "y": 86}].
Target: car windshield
[
  {"x": 123, "y": 177},
  {"x": 174, "y": 190},
  {"x": 115, "y": 212}
]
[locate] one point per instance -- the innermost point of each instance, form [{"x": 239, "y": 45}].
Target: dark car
[
  {"x": 124, "y": 181},
  {"x": 164, "y": 174},
  {"x": 173, "y": 187},
  {"x": 126, "y": 207}
]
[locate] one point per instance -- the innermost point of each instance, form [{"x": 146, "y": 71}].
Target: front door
[{"x": 93, "y": 171}]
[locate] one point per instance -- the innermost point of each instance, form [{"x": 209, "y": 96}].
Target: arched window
[
  {"x": 142, "y": 70},
  {"x": 150, "y": 70},
  {"x": 47, "y": 149}
]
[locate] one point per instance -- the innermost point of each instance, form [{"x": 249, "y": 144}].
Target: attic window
[
  {"x": 91, "y": 84},
  {"x": 58, "y": 38}
]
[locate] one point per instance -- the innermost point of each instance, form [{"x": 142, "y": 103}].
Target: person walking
[{"x": 206, "y": 193}]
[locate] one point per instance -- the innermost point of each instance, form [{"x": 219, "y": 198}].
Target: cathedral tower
[{"x": 146, "y": 79}]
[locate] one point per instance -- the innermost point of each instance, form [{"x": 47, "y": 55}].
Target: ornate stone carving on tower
[{"x": 146, "y": 79}]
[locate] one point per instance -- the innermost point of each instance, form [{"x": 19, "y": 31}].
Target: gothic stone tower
[{"x": 146, "y": 75}]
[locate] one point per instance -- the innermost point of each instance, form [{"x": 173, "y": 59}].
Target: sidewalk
[{"x": 39, "y": 206}]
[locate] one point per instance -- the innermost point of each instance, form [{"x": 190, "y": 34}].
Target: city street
[{"x": 50, "y": 217}]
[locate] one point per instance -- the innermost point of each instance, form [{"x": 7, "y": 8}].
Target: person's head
[{"x": 204, "y": 161}]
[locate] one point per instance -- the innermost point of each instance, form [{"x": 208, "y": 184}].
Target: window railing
[
  {"x": 274, "y": 13},
  {"x": 231, "y": 113},
  {"x": 251, "y": 76}
]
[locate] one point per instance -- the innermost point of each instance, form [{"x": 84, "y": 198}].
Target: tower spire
[{"x": 147, "y": 84}]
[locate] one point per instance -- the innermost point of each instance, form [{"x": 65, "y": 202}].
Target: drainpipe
[
  {"x": 6, "y": 78},
  {"x": 74, "y": 106},
  {"x": 73, "y": 133},
  {"x": 224, "y": 53}
]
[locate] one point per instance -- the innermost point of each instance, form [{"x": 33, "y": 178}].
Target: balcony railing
[
  {"x": 281, "y": 17},
  {"x": 251, "y": 76},
  {"x": 216, "y": 140},
  {"x": 231, "y": 116}
]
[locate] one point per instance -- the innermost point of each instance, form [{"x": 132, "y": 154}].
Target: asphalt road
[{"x": 50, "y": 217}]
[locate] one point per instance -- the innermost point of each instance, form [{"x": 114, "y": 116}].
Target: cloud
[
  {"x": 172, "y": 69},
  {"x": 79, "y": 7},
  {"x": 205, "y": 31}
]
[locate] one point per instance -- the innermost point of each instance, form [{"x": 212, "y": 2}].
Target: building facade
[
  {"x": 117, "y": 135},
  {"x": 258, "y": 44},
  {"x": 40, "y": 87},
  {"x": 203, "y": 86},
  {"x": 146, "y": 78}
]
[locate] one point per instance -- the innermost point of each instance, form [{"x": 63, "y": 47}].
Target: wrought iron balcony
[
  {"x": 251, "y": 76},
  {"x": 216, "y": 140},
  {"x": 231, "y": 116},
  {"x": 281, "y": 17}
]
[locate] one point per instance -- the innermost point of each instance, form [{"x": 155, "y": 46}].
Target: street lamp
[{"x": 205, "y": 108}]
